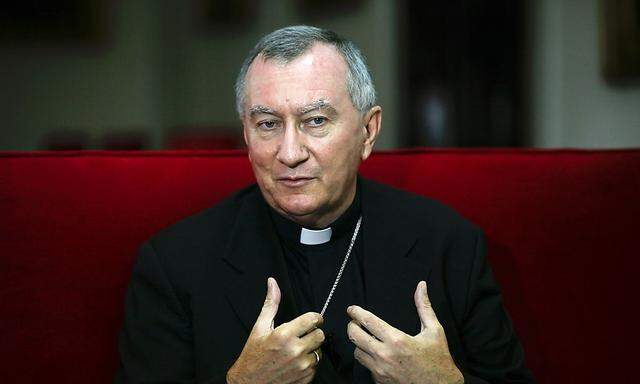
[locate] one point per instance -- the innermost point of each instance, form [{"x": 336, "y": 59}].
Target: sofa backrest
[{"x": 561, "y": 226}]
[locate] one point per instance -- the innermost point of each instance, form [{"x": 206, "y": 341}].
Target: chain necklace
[{"x": 344, "y": 263}]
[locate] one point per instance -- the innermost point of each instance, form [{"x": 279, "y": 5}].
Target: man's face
[{"x": 305, "y": 137}]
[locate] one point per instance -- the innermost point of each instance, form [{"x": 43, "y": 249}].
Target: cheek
[
  {"x": 261, "y": 164},
  {"x": 340, "y": 157},
  {"x": 260, "y": 152}
]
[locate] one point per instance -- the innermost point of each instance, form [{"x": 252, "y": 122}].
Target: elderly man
[{"x": 364, "y": 283}]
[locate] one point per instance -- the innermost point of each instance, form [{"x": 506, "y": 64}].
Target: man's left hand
[{"x": 392, "y": 356}]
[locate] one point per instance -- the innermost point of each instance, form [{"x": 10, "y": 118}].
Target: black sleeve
[
  {"x": 494, "y": 353},
  {"x": 156, "y": 343}
]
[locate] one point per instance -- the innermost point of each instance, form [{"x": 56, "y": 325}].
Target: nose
[{"x": 292, "y": 150}]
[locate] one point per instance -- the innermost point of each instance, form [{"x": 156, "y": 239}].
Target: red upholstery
[{"x": 561, "y": 224}]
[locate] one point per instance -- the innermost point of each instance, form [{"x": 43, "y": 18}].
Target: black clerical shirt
[{"x": 312, "y": 270}]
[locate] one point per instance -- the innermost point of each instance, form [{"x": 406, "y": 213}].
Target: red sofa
[{"x": 561, "y": 225}]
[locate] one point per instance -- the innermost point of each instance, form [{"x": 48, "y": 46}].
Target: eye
[
  {"x": 268, "y": 125},
  {"x": 317, "y": 121}
]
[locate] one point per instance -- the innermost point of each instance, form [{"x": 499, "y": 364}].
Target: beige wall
[
  {"x": 49, "y": 86},
  {"x": 570, "y": 103},
  {"x": 159, "y": 70}
]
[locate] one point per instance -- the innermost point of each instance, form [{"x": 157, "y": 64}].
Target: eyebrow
[
  {"x": 320, "y": 104},
  {"x": 258, "y": 109}
]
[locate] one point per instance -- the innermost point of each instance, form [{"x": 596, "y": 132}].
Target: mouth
[{"x": 295, "y": 182}]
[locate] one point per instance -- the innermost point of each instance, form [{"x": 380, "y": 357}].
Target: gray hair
[{"x": 286, "y": 44}]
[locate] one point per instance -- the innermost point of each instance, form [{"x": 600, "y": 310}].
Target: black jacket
[{"x": 198, "y": 286}]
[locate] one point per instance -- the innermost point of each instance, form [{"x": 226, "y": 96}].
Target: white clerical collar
[{"x": 315, "y": 237}]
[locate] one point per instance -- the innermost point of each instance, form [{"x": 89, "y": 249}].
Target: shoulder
[
  {"x": 202, "y": 228},
  {"x": 205, "y": 226},
  {"x": 190, "y": 245},
  {"x": 417, "y": 211}
]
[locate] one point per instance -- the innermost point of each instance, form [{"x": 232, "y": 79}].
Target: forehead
[{"x": 320, "y": 73}]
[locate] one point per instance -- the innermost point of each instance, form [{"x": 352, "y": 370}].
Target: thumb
[
  {"x": 428, "y": 317},
  {"x": 264, "y": 323}
]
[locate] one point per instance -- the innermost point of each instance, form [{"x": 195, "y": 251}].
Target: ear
[{"x": 372, "y": 125}]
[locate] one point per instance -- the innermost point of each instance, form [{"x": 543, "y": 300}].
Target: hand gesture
[
  {"x": 392, "y": 356},
  {"x": 281, "y": 355}
]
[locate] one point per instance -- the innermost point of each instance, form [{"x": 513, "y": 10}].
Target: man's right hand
[{"x": 281, "y": 355}]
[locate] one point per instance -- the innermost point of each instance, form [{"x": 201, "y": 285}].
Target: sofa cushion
[{"x": 560, "y": 225}]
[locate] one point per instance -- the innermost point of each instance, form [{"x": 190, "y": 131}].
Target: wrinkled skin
[
  {"x": 305, "y": 138},
  {"x": 393, "y": 357},
  {"x": 281, "y": 355}
]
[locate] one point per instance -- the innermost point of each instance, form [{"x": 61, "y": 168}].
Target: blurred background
[{"x": 159, "y": 74}]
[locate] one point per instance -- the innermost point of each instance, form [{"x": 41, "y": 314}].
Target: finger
[
  {"x": 264, "y": 323},
  {"x": 362, "y": 339},
  {"x": 307, "y": 366},
  {"x": 316, "y": 360},
  {"x": 427, "y": 316},
  {"x": 376, "y": 326},
  {"x": 307, "y": 378},
  {"x": 298, "y": 371},
  {"x": 319, "y": 351},
  {"x": 364, "y": 358},
  {"x": 303, "y": 324},
  {"x": 312, "y": 340}
]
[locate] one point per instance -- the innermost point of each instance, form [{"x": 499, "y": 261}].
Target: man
[{"x": 364, "y": 283}]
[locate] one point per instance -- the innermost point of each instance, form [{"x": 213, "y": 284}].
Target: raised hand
[
  {"x": 392, "y": 356},
  {"x": 281, "y": 355}
]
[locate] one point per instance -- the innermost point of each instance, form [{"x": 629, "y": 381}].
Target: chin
[{"x": 297, "y": 205}]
